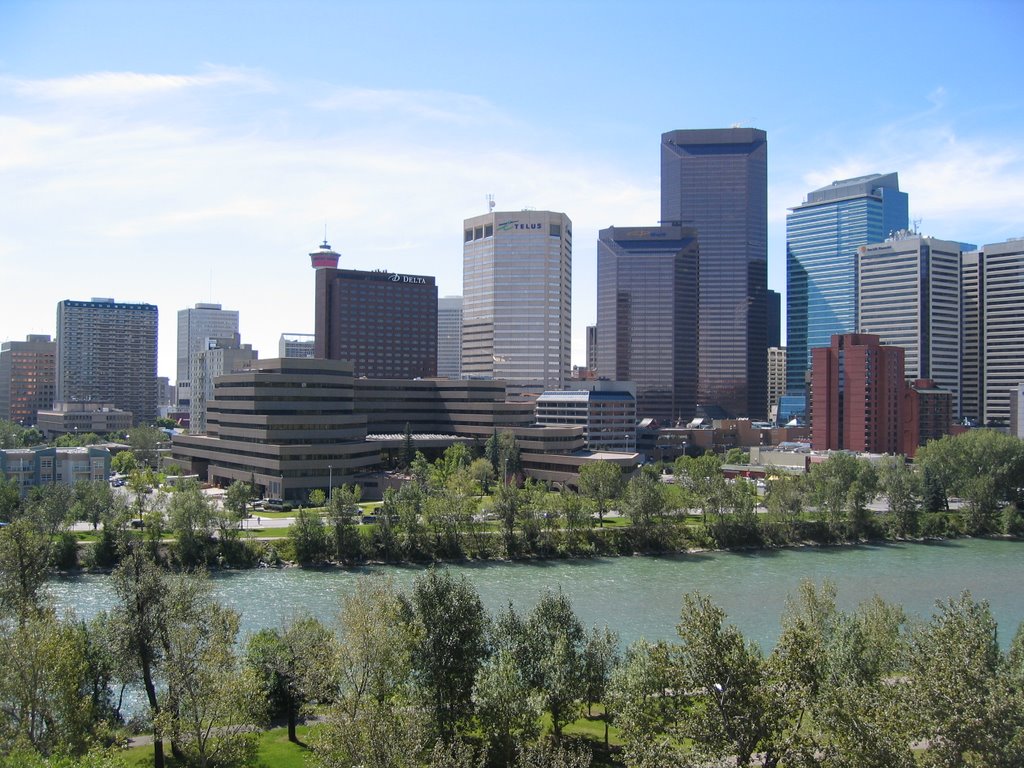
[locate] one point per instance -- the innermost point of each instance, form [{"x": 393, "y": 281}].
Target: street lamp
[{"x": 330, "y": 483}]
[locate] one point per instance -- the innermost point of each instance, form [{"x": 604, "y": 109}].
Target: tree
[
  {"x": 785, "y": 499},
  {"x": 190, "y": 517},
  {"x": 140, "y": 613},
  {"x": 317, "y": 498},
  {"x": 601, "y": 483},
  {"x": 10, "y": 499},
  {"x": 408, "y": 448},
  {"x": 25, "y": 548},
  {"x": 902, "y": 488},
  {"x": 552, "y": 655},
  {"x": 124, "y": 463},
  {"x": 238, "y": 497},
  {"x": 481, "y": 472},
  {"x": 704, "y": 483},
  {"x": 93, "y": 500},
  {"x": 841, "y": 487},
  {"x": 448, "y": 646},
  {"x": 293, "y": 667},
  {"x": 309, "y": 538},
  {"x": 213, "y": 701},
  {"x": 736, "y": 456},
  {"x": 145, "y": 442},
  {"x": 373, "y": 660},
  {"x": 954, "y": 696},
  {"x": 725, "y": 676},
  {"x": 342, "y": 509},
  {"x": 643, "y": 501},
  {"x": 43, "y": 675},
  {"x": 509, "y": 711}
]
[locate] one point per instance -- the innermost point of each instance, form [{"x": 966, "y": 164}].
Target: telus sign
[{"x": 511, "y": 224}]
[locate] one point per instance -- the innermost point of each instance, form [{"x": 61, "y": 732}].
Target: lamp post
[{"x": 330, "y": 482}]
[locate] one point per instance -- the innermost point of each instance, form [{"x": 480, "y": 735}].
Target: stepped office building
[
  {"x": 106, "y": 352},
  {"x": 717, "y": 182},
  {"x": 517, "y": 288},
  {"x": 647, "y": 286},
  {"x": 822, "y": 238},
  {"x": 384, "y": 322}
]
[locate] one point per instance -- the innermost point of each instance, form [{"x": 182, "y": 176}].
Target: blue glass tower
[{"x": 822, "y": 238}]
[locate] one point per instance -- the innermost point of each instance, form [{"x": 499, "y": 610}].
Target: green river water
[{"x": 641, "y": 596}]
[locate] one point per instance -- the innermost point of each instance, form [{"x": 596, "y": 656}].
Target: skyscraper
[
  {"x": 449, "y": 337},
  {"x": 822, "y": 238},
  {"x": 385, "y": 323},
  {"x": 27, "y": 373},
  {"x": 1002, "y": 343},
  {"x": 909, "y": 296},
  {"x": 106, "y": 352},
  {"x": 717, "y": 181},
  {"x": 516, "y": 298},
  {"x": 647, "y": 285},
  {"x": 195, "y": 326}
]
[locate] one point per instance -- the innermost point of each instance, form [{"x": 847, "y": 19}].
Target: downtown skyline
[{"x": 183, "y": 154}]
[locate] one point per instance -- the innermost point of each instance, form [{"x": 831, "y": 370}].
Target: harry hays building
[{"x": 385, "y": 323}]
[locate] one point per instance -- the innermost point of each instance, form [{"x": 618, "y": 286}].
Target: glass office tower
[
  {"x": 717, "y": 182},
  {"x": 822, "y": 238},
  {"x": 647, "y": 316}
]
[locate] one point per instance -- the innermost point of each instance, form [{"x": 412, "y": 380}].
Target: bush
[
  {"x": 64, "y": 554},
  {"x": 1013, "y": 521}
]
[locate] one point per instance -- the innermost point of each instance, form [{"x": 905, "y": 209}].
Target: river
[{"x": 641, "y": 596}]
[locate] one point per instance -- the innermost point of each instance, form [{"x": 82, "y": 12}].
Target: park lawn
[{"x": 275, "y": 751}]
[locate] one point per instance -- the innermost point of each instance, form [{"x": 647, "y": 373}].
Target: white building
[
  {"x": 606, "y": 410},
  {"x": 297, "y": 345},
  {"x": 517, "y": 288},
  {"x": 195, "y": 326},
  {"x": 449, "y": 337},
  {"x": 909, "y": 295},
  {"x": 1002, "y": 332},
  {"x": 220, "y": 357}
]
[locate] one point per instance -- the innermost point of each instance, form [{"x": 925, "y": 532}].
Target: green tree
[
  {"x": 552, "y": 656},
  {"x": 237, "y": 498},
  {"x": 841, "y": 487},
  {"x": 145, "y": 442},
  {"x": 704, "y": 484},
  {"x": 190, "y": 516},
  {"x": 293, "y": 667},
  {"x": 408, "y": 448},
  {"x": 124, "y": 463},
  {"x": 342, "y": 510},
  {"x": 25, "y": 548},
  {"x": 644, "y": 501},
  {"x": 317, "y": 498},
  {"x": 93, "y": 499},
  {"x": 10, "y": 499},
  {"x": 508, "y": 710},
  {"x": 601, "y": 483},
  {"x": 902, "y": 487},
  {"x": 784, "y": 500},
  {"x": 449, "y": 644},
  {"x": 309, "y": 538},
  {"x": 481, "y": 472},
  {"x": 736, "y": 456}
]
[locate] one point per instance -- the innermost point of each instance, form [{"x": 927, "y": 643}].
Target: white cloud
[
  {"x": 434, "y": 106},
  {"x": 127, "y": 85}
]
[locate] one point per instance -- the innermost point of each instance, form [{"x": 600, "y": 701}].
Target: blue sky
[{"x": 188, "y": 152}]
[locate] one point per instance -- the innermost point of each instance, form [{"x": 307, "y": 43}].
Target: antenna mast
[{"x": 490, "y": 202}]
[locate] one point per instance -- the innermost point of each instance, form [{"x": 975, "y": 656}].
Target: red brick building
[
  {"x": 857, "y": 391},
  {"x": 927, "y": 414}
]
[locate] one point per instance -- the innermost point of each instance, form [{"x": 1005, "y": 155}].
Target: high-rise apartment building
[
  {"x": 822, "y": 238},
  {"x": 28, "y": 371},
  {"x": 302, "y": 345},
  {"x": 647, "y": 285},
  {"x": 449, "y": 337},
  {"x": 516, "y": 298},
  {"x": 717, "y": 181},
  {"x": 857, "y": 391},
  {"x": 107, "y": 352},
  {"x": 971, "y": 368},
  {"x": 909, "y": 296},
  {"x": 195, "y": 326},
  {"x": 385, "y": 323}
]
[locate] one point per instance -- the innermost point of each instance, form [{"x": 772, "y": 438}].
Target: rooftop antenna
[
  {"x": 325, "y": 243},
  {"x": 490, "y": 202},
  {"x": 917, "y": 227},
  {"x": 211, "y": 285}
]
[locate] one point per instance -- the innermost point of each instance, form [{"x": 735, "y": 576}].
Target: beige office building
[{"x": 516, "y": 294}]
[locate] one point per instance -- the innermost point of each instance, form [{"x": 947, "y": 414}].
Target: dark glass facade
[
  {"x": 716, "y": 181},
  {"x": 647, "y": 285},
  {"x": 385, "y": 323}
]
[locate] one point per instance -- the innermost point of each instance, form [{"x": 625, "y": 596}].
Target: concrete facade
[
  {"x": 195, "y": 326},
  {"x": 28, "y": 372}
]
